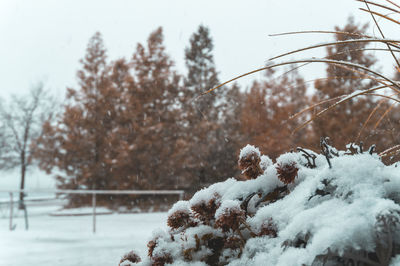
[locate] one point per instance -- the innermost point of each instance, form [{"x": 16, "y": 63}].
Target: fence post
[
  {"x": 94, "y": 211},
  {"x": 181, "y": 195},
  {"x": 11, "y": 211},
  {"x": 26, "y": 216}
]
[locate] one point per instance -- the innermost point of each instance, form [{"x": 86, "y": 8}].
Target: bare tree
[
  {"x": 4, "y": 146},
  {"x": 21, "y": 120}
]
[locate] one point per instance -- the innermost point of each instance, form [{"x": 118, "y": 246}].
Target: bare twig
[
  {"x": 320, "y": 31},
  {"x": 312, "y": 60},
  {"x": 389, "y": 151},
  {"x": 381, "y": 32},
  {"x": 384, "y": 114},
  {"x": 379, "y": 5},
  {"x": 380, "y": 15},
  {"x": 396, "y": 5},
  {"x": 369, "y": 118},
  {"x": 390, "y": 42}
]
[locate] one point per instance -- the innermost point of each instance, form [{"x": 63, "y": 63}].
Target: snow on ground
[{"x": 68, "y": 240}]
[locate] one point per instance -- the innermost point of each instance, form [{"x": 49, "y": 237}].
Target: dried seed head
[
  {"x": 230, "y": 218},
  {"x": 180, "y": 219},
  {"x": 205, "y": 211},
  {"x": 131, "y": 257},
  {"x": 158, "y": 258},
  {"x": 151, "y": 246},
  {"x": 249, "y": 162},
  {"x": 287, "y": 172},
  {"x": 161, "y": 260}
]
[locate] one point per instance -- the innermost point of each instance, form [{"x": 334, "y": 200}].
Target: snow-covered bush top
[
  {"x": 248, "y": 150},
  {"x": 180, "y": 206},
  {"x": 306, "y": 209}
]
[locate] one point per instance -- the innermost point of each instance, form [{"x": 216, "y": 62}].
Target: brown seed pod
[
  {"x": 180, "y": 219},
  {"x": 231, "y": 218},
  {"x": 131, "y": 257},
  {"x": 151, "y": 246},
  {"x": 205, "y": 211},
  {"x": 161, "y": 260},
  {"x": 287, "y": 172},
  {"x": 249, "y": 164}
]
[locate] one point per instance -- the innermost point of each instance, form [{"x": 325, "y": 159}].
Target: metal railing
[{"x": 92, "y": 192}]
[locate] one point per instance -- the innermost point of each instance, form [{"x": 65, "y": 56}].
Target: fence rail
[{"x": 80, "y": 191}]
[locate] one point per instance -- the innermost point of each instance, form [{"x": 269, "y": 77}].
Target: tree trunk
[{"x": 22, "y": 186}]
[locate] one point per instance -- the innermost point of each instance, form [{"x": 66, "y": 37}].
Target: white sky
[{"x": 43, "y": 40}]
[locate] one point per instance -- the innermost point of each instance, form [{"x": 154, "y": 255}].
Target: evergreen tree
[
  {"x": 202, "y": 114},
  {"x": 202, "y": 74}
]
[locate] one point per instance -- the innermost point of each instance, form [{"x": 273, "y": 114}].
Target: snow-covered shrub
[
  {"x": 334, "y": 208},
  {"x": 129, "y": 258}
]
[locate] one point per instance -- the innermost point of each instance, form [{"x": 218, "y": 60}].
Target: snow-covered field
[{"x": 68, "y": 240}]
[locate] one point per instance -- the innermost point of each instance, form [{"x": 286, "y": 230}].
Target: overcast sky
[{"x": 43, "y": 40}]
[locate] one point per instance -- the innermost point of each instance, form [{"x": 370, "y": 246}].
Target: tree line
[{"x": 137, "y": 123}]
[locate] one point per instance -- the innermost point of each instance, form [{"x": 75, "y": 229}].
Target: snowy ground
[{"x": 68, "y": 240}]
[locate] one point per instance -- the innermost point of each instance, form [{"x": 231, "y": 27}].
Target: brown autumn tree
[
  {"x": 153, "y": 110},
  {"x": 78, "y": 144},
  {"x": 120, "y": 128},
  {"x": 126, "y": 110},
  {"x": 343, "y": 123},
  {"x": 265, "y": 117}
]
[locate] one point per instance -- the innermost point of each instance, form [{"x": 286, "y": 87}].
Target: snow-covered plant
[
  {"x": 249, "y": 162},
  {"x": 181, "y": 217},
  {"x": 129, "y": 258},
  {"x": 333, "y": 208}
]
